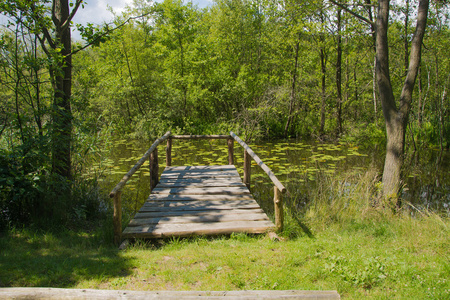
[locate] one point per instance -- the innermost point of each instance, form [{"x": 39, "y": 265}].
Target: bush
[{"x": 31, "y": 196}]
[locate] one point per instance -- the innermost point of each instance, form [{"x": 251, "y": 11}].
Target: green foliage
[{"x": 366, "y": 274}]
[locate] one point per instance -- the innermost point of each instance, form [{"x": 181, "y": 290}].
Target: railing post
[
  {"x": 154, "y": 169},
  {"x": 169, "y": 152},
  {"x": 117, "y": 218},
  {"x": 247, "y": 168},
  {"x": 278, "y": 201},
  {"x": 230, "y": 143}
]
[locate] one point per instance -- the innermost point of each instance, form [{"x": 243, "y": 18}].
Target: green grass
[
  {"x": 340, "y": 242},
  {"x": 397, "y": 258}
]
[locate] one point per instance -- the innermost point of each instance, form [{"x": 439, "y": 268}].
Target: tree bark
[
  {"x": 293, "y": 88},
  {"x": 339, "y": 74},
  {"x": 396, "y": 119},
  {"x": 62, "y": 84}
]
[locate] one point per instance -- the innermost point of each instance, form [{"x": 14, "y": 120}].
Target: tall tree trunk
[
  {"x": 62, "y": 81},
  {"x": 323, "y": 84},
  {"x": 396, "y": 118},
  {"x": 339, "y": 74},
  {"x": 293, "y": 88}
]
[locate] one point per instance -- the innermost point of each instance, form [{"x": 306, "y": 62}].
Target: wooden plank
[
  {"x": 182, "y": 184},
  {"x": 208, "y": 218},
  {"x": 200, "y": 168},
  {"x": 206, "y": 176},
  {"x": 203, "y": 191},
  {"x": 234, "y": 204},
  {"x": 210, "y": 205},
  {"x": 164, "y": 230},
  {"x": 197, "y": 171},
  {"x": 58, "y": 293},
  {"x": 176, "y": 197},
  {"x": 200, "y": 180},
  {"x": 199, "y": 137},
  {"x": 199, "y": 174},
  {"x": 194, "y": 203},
  {"x": 157, "y": 214}
]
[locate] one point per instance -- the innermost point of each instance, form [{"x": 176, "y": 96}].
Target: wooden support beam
[
  {"x": 117, "y": 218},
  {"x": 230, "y": 143},
  {"x": 169, "y": 152},
  {"x": 278, "y": 202},
  {"x": 154, "y": 169},
  {"x": 247, "y": 168}
]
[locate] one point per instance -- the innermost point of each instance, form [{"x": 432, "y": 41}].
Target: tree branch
[
  {"x": 347, "y": 9},
  {"x": 72, "y": 14},
  {"x": 108, "y": 31}
]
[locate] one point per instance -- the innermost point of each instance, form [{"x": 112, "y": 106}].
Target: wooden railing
[
  {"x": 117, "y": 191},
  {"x": 152, "y": 155},
  {"x": 279, "y": 188}
]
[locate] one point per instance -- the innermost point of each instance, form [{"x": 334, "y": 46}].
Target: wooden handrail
[
  {"x": 136, "y": 167},
  {"x": 279, "y": 188},
  {"x": 117, "y": 191},
  {"x": 263, "y": 166}
]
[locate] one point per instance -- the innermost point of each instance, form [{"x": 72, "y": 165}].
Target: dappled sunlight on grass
[{"x": 57, "y": 260}]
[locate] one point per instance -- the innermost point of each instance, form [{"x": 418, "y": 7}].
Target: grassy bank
[
  {"x": 340, "y": 241},
  {"x": 393, "y": 258}
]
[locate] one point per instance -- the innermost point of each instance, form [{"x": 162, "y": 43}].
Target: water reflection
[{"x": 297, "y": 164}]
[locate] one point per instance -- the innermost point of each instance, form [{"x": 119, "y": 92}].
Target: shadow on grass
[{"x": 63, "y": 260}]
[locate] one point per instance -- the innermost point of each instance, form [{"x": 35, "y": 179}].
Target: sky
[{"x": 97, "y": 12}]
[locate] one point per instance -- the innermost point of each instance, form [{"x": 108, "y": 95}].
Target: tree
[{"x": 396, "y": 116}]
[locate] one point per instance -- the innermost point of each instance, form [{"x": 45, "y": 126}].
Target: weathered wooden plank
[
  {"x": 192, "y": 171},
  {"x": 201, "y": 205},
  {"x": 156, "y": 214},
  {"x": 196, "y": 203},
  {"x": 231, "y": 179},
  {"x": 175, "y": 197},
  {"x": 164, "y": 230},
  {"x": 71, "y": 294},
  {"x": 208, "y": 218},
  {"x": 200, "y": 168},
  {"x": 181, "y": 184},
  {"x": 199, "y": 137},
  {"x": 203, "y": 191},
  {"x": 212, "y": 174},
  {"x": 212, "y": 203}
]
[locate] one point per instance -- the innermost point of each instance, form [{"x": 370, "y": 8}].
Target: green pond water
[{"x": 298, "y": 165}]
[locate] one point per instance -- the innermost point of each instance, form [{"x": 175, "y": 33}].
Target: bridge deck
[{"x": 200, "y": 200}]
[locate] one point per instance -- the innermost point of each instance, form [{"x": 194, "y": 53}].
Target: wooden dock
[
  {"x": 197, "y": 200},
  {"x": 200, "y": 200}
]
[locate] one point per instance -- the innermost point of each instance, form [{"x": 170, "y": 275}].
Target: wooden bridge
[{"x": 197, "y": 200}]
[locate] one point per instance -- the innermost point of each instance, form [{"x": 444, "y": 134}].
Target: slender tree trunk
[
  {"x": 339, "y": 74},
  {"x": 293, "y": 88},
  {"x": 62, "y": 81},
  {"x": 323, "y": 84}
]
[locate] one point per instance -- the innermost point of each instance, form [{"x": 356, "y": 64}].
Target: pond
[{"x": 299, "y": 165}]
